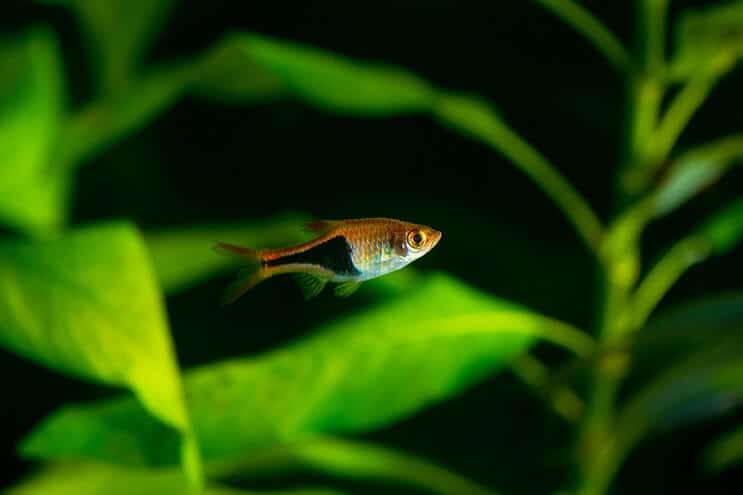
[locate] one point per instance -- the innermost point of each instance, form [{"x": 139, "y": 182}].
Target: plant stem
[
  {"x": 563, "y": 400},
  {"x": 680, "y": 112},
  {"x": 596, "y": 447},
  {"x": 475, "y": 118},
  {"x": 593, "y": 30},
  {"x": 664, "y": 274}
]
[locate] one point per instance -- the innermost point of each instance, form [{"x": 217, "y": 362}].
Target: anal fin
[
  {"x": 311, "y": 285},
  {"x": 345, "y": 289}
]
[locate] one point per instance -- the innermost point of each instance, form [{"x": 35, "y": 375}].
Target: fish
[{"x": 345, "y": 252}]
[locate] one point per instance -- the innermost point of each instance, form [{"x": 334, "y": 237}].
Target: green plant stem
[
  {"x": 679, "y": 113},
  {"x": 475, "y": 118},
  {"x": 563, "y": 400},
  {"x": 597, "y": 445},
  {"x": 664, "y": 274},
  {"x": 583, "y": 22}
]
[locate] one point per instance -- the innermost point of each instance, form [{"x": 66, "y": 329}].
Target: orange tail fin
[{"x": 248, "y": 277}]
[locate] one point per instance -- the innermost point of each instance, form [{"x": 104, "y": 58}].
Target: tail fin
[{"x": 248, "y": 277}]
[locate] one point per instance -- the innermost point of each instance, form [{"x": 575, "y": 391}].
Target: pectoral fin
[
  {"x": 311, "y": 285},
  {"x": 345, "y": 289}
]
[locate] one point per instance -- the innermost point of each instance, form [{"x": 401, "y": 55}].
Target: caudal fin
[{"x": 248, "y": 277}]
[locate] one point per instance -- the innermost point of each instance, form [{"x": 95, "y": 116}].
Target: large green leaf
[
  {"x": 88, "y": 305},
  {"x": 708, "y": 37},
  {"x": 103, "y": 479},
  {"x": 32, "y": 193},
  {"x": 353, "y": 375},
  {"x": 118, "y": 34},
  {"x": 183, "y": 257}
]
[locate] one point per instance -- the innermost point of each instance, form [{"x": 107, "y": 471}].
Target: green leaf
[
  {"x": 696, "y": 169},
  {"x": 118, "y": 33},
  {"x": 707, "y": 38},
  {"x": 102, "y": 479},
  {"x": 88, "y": 305},
  {"x": 708, "y": 383},
  {"x": 184, "y": 257},
  {"x": 725, "y": 451},
  {"x": 32, "y": 193},
  {"x": 332, "y": 82},
  {"x": 357, "y": 374},
  {"x": 725, "y": 229}
]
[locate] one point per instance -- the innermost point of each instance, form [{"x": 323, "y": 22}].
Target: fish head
[{"x": 419, "y": 240}]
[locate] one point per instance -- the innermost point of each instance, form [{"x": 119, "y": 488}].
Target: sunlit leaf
[
  {"x": 88, "y": 305},
  {"x": 103, "y": 479},
  {"x": 696, "y": 169},
  {"x": 353, "y": 375},
  {"x": 183, "y": 257},
  {"x": 725, "y": 451},
  {"x": 32, "y": 193},
  {"x": 708, "y": 37},
  {"x": 118, "y": 33}
]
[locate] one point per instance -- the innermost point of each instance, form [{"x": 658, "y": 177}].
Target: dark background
[{"x": 201, "y": 162}]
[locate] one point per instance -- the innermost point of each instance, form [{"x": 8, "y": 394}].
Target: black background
[{"x": 201, "y": 162}]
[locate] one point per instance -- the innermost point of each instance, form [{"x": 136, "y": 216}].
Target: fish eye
[{"x": 416, "y": 238}]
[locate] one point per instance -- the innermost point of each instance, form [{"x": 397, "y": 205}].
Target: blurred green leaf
[
  {"x": 708, "y": 38},
  {"x": 583, "y": 22},
  {"x": 316, "y": 77},
  {"x": 32, "y": 193},
  {"x": 118, "y": 115},
  {"x": 717, "y": 236},
  {"x": 118, "y": 33},
  {"x": 725, "y": 451},
  {"x": 725, "y": 229},
  {"x": 679, "y": 332},
  {"x": 696, "y": 169},
  {"x": 88, "y": 305},
  {"x": 247, "y": 67},
  {"x": 353, "y": 375},
  {"x": 708, "y": 383},
  {"x": 347, "y": 459},
  {"x": 183, "y": 257},
  {"x": 104, "y": 479}
]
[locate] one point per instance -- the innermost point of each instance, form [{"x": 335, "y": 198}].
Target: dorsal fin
[{"x": 320, "y": 226}]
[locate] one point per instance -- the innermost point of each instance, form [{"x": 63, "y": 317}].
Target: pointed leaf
[
  {"x": 707, "y": 37},
  {"x": 695, "y": 170},
  {"x": 88, "y": 305},
  {"x": 353, "y": 375},
  {"x": 32, "y": 193},
  {"x": 118, "y": 33}
]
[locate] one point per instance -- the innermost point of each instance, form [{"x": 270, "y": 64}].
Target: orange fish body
[{"x": 346, "y": 252}]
